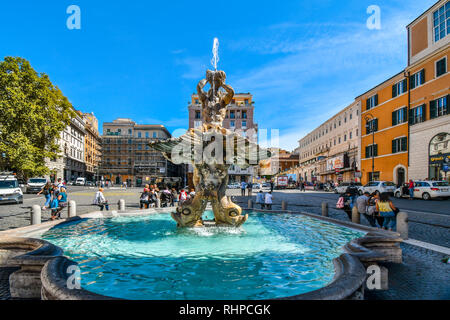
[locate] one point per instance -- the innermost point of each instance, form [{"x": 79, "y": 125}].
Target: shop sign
[{"x": 335, "y": 163}]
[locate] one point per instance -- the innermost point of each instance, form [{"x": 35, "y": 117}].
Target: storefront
[{"x": 439, "y": 157}]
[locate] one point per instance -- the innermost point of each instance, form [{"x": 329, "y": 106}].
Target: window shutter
[
  {"x": 367, "y": 104},
  {"x": 405, "y": 85},
  {"x": 412, "y": 82},
  {"x": 394, "y": 146},
  {"x": 367, "y": 152},
  {"x": 411, "y": 116},
  {"x": 405, "y": 114},
  {"x": 447, "y": 102},
  {"x": 376, "y": 100},
  {"x": 367, "y": 127},
  {"x": 376, "y": 150},
  {"x": 405, "y": 144},
  {"x": 422, "y": 76},
  {"x": 433, "y": 113},
  {"x": 424, "y": 112},
  {"x": 394, "y": 91},
  {"x": 375, "y": 125},
  {"x": 394, "y": 118}
]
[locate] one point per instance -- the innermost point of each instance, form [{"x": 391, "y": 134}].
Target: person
[
  {"x": 174, "y": 198},
  {"x": 411, "y": 189},
  {"x": 243, "y": 186},
  {"x": 46, "y": 191},
  {"x": 61, "y": 203},
  {"x": 165, "y": 197},
  {"x": 271, "y": 186},
  {"x": 183, "y": 196},
  {"x": 59, "y": 184},
  {"x": 386, "y": 209},
  {"x": 144, "y": 200},
  {"x": 362, "y": 203},
  {"x": 343, "y": 203},
  {"x": 352, "y": 190},
  {"x": 268, "y": 200},
  {"x": 249, "y": 189},
  {"x": 260, "y": 199},
  {"x": 303, "y": 186},
  {"x": 100, "y": 200},
  {"x": 192, "y": 194}
]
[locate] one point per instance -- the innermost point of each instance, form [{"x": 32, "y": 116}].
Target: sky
[{"x": 303, "y": 61}]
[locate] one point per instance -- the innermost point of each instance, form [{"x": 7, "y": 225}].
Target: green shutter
[
  {"x": 412, "y": 82},
  {"x": 433, "y": 110},
  {"x": 404, "y": 143},
  {"x": 405, "y": 114},
  {"x": 376, "y": 150},
  {"x": 394, "y": 118},
  {"x": 394, "y": 91},
  {"x": 411, "y": 116},
  {"x": 394, "y": 146},
  {"x": 424, "y": 112},
  {"x": 376, "y": 100},
  {"x": 375, "y": 125},
  {"x": 405, "y": 85},
  {"x": 422, "y": 76}
]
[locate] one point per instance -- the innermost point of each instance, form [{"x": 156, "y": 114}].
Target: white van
[
  {"x": 10, "y": 191},
  {"x": 80, "y": 181}
]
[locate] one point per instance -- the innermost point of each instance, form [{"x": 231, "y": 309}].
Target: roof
[
  {"x": 424, "y": 13},
  {"x": 403, "y": 70}
]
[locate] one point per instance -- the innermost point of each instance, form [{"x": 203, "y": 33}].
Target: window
[
  {"x": 197, "y": 115},
  {"x": 372, "y": 126},
  {"x": 399, "y": 145},
  {"x": 147, "y": 134},
  {"x": 130, "y": 132},
  {"x": 351, "y": 133},
  {"x": 372, "y": 102},
  {"x": 399, "y": 88},
  {"x": 197, "y": 124},
  {"x": 246, "y": 102},
  {"x": 417, "y": 115},
  {"x": 345, "y": 137},
  {"x": 232, "y": 124},
  {"x": 232, "y": 116},
  {"x": 417, "y": 79},
  {"x": 441, "y": 67},
  {"x": 372, "y": 151},
  {"x": 139, "y": 134},
  {"x": 244, "y": 114},
  {"x": 351, "y": 116},
  {"x": 155, "y": 134},
  {"x": 439, "y": 107},
  {"x": 139, "y": 146},
  {"x": 244, "y": 124},
  {"x": 441, "y": 19},
  {"x": 339, "y": 140},
  {"x": 375, "y": 176},
  {"x": 399, "y": 116}
]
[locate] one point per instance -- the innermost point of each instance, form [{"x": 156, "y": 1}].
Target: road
[{"x": 429, "y": 220}]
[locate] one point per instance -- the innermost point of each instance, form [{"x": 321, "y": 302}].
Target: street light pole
[{"x": 370, "y": 117}]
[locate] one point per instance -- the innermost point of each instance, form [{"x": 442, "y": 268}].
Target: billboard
[{"x": 335, "y": 163}]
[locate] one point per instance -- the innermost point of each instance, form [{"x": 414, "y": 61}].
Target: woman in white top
[
  {"x": 268, "y": 200},
  {"x": 100, "y": 200}
]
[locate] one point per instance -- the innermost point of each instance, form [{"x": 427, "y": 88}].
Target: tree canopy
[{"x": 33, "y": 112}]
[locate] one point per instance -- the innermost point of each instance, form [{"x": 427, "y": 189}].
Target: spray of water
[{"x": 215, "y": 51}]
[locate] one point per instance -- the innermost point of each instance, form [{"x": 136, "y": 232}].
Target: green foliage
[{"x": 33, "y": 112}]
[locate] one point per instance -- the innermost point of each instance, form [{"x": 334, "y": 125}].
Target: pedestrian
[
  {"x": 174, "y": 197},
  {"x": 353, "y": 191},
  {"x": 183, "y": 196},
  {"x": 249, "y": 189},
  {"x": 192, "y": 194},
  {"x": 260, "y": 199},
  {"x": 362, "y": 203},
  {"x": 303, "y": 186},
  {"x": 344, "y": 203},
  {"x": 243, "y": 186},
  {"x": 47, "y": 192},
  {"x": 268, "y": 200},
  {"x": 61, "y": 204},
  {"x": 100, "y": 200},
  {"x": 144, "y": 199},
  {"x": 271, "y": 186},
  {"x": 60, "y": 183},
  {"x": 411, "y": 189},
  {"x": 386, "y": 209}
]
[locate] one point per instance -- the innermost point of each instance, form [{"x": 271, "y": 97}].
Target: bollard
[
  {"x": 250, "y": 204},
  {"x": 324, "y": 209},
  {"x": 121, "y": 205},
  {"x": 402, "y": 225},
  {"x": 356, "y": 217},
  {"x": 158, "y": 202},
  {"x": 284, "y": 205},
  {"x": 35, "y": 214},
  {"x": 72, "y": 209}
]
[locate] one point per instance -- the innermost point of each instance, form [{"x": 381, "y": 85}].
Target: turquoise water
[{"x": 148, "y": 257}]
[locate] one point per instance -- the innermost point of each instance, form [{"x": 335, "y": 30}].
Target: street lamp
[{"x": 369, "y": 117}]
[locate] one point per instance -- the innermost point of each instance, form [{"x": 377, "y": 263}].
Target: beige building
[
  {"x": 92, "y": 146},
  {"x": 330, "y": 152}
]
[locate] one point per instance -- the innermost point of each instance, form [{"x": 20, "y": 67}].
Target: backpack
[{"x": 340, "y": 204}]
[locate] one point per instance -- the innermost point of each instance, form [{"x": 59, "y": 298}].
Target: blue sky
[{"x": 302, "y": 60}]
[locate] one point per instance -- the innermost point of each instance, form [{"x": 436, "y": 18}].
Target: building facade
[
  {"x": 92, "y": 146},
  {"x": 429, "y": 112},
  {"x": 330, "y": 152},
  {"x": 239, "y": 118},
  {"x": 127, "y": 157}
]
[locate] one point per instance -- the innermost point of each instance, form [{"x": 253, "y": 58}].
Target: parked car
[
  {"x": 34, "y": 185},
  {"x": 379, "y": 186},
  {"x": 90, "y": 183},
  {"x": 342, "y": 187},
  {"x": 234, "y": 185},
  {"x": 426, "y": 190},
  {"x": 257, "y": 186},
  {"x": 80, "y": 181},
  {"x": 10, "y": 191},
  {"x": 266, "y": 185}
]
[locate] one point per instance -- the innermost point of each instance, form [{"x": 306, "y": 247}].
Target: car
[
  {"x": 342, "y": 187},
  {"x": 90, "y": 183},
  {"x": 80, "y": 181},
  {"x": 34, "y": 185},
  {"x": 10, "y": 191},
  {"x": 379, "y": 186},
  {"x": 426, "y": 190},
  {"x": 256, "y": 186},
  {"x": 234, "y": 185},
  {"x": 266, "y": 185}
]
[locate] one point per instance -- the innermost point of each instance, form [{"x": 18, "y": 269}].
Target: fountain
[{"x": 211, "y": 149}]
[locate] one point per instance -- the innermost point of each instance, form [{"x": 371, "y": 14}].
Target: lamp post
[{"x": 370, "y": 117}]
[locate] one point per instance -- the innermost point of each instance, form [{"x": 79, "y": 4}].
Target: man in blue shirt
[{"x": 243, "y": 186}]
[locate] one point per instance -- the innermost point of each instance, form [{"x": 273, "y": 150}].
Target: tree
[{"x": 33, "y": 112}]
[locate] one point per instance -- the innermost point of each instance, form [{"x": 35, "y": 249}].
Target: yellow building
[
  {"x": 384, "y": 131},
  {"x": 92, "y": 146}
]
